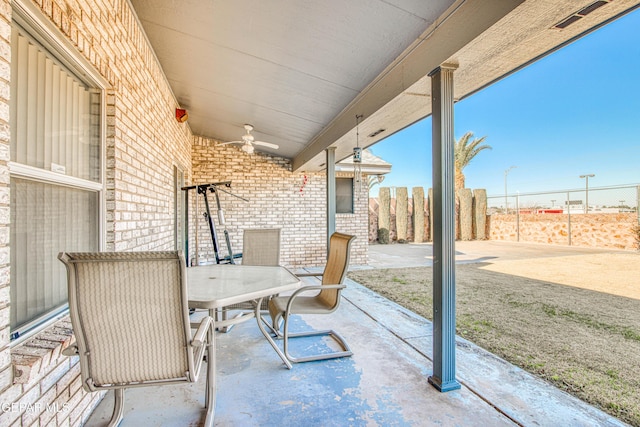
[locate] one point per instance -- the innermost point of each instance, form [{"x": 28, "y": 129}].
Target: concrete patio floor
[{"x": 383, "y": 384}]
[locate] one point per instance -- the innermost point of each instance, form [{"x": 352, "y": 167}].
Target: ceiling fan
[{"x": 248, "y": 141}]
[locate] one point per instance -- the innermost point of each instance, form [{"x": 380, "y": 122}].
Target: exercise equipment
[{"x": 203, "y": 190}]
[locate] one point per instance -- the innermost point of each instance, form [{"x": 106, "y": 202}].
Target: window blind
[{"x": 56, "y": 126}]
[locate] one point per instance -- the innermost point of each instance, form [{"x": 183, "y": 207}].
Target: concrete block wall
[
  {"x": 39, "y": 386},
  {"x": 276, "y": 198}
]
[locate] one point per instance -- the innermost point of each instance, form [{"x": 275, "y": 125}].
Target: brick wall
[
  {"x": 357, "y": 224},
  {"x": 144, "y": 142},
  {"x": 276, "y": 198},
  {"x": 39, "y": 386},
  {"x": 6, "y": 371}
]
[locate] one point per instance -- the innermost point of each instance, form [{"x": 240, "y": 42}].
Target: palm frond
[{"x": 466, "y": 149}]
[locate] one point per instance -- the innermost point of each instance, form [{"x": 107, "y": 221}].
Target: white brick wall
[
  {"x": 6, "y": 370},
  {"x": 277, "y": 198},
  {"x": 143, "y": 144}
]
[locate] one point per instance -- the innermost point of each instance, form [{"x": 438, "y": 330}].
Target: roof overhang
[
  {"x": 457, "y": 27},
  {"x": 300, "y": 72}
]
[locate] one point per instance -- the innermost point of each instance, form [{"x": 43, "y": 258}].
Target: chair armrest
[
  {"x": 310, "y": 274},
  {"x": 72, "y": 350},
  {"x": 200, "y": 336},
  {"x": 310, "y": 288},
  {"x": 315, "y": 288}
]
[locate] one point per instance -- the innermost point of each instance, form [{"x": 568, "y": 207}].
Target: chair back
[
  {"x": 261, "y": 246},
  {"x": 336, "y": 268},
  {"x": 130, "y": 316}
]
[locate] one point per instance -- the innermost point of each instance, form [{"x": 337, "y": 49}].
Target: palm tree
[{"x": 464, "y": 152}]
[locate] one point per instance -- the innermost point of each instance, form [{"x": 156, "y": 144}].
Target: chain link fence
[{"x": 600, "y": 217}]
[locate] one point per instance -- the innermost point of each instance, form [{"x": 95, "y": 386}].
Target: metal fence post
[
  {"x": 638, "y": 202},
  {"x": 517, "y": 217},
  {"x": 569, "y": 217}
]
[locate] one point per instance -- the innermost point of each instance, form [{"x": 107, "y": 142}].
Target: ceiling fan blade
[
  {"x": 231, "y": 142},
  {"x": 266, "y": 144}
]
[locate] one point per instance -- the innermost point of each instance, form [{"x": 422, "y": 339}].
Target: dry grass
[{"x": 583, "y": 341}]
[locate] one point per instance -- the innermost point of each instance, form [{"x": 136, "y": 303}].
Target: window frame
[
  {"x": 352, "y": 195},
  {"x": 31, "y": 21},
  {"x": 179, "y": 177}
]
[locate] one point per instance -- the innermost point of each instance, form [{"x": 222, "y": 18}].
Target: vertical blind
[
  {"x": 57, "y": 117},
  {"x": 55, "y": 122},
  {"x": 46, "y": 219}
]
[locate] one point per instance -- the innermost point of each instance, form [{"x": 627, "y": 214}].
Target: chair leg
[
  {"x": 266, "y": 334},
  {"x": 118, "y": 407},
  {"x": 210, "y": 386},
  {"x": 345, "y": 352}
]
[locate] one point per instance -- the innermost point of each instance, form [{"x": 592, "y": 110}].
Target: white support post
[
  {"x": 331, "y": 193},
  {"x": 444, "y": 283}
]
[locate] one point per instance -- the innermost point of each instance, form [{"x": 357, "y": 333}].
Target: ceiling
[{"x": 300, "y": 71}]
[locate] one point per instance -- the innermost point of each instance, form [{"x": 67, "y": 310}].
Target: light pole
[
  {"x": 506, "y": 203},
  {"x": 586, "y": 206}
]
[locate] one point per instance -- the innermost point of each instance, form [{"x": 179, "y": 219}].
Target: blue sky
[{"x": 575, "y": 112}]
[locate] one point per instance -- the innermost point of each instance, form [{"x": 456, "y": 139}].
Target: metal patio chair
[
  {"x": 260, "y": 246},
  {"x": 130, "y": 318},
  {"x": 325, "y": 301}
]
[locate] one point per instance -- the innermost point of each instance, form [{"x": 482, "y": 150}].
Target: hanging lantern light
[{"x": 357, "y": 161}]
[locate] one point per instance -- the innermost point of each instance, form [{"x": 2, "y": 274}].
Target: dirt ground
[
  {"x": 574, "y": 320},
  {"x": 611, "y": 273}
]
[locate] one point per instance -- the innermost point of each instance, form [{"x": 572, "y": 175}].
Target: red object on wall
[{"x": 181, "y": 115}]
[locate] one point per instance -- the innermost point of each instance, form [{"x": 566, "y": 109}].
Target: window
[
  {"x": 344, "y": 195},
  {"x": 55, "y": 172}
]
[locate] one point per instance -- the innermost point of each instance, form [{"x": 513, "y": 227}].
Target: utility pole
[
  {"x": 586, "y": 206},
  {"x": 506, "y": 202}
]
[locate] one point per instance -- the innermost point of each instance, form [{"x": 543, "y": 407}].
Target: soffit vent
[
  {"x": 593, "y": 6},
  {"x": 568, "y": 21},
  {"x": 580, "y": 14}
]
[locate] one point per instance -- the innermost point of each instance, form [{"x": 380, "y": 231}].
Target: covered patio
[
  {"x": 382, "y": 384},
  {"x": 156, "y": 89}
]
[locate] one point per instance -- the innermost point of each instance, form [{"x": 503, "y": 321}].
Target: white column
[
  {"x": 444, "y": 283},
  {"x": 331, "y": 193}
]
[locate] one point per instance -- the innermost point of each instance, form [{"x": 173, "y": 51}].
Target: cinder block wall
[
  {"x": 276, "y": 198},
  {"x": 39, "y": 386}
]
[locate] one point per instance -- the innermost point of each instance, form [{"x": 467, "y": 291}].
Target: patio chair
[
  {"x": 325, "y": 301},
  {"x": 260, "y": 246},
  {"x": 130, "y": 318}
]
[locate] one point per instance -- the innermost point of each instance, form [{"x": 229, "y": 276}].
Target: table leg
[
  {"x": 268, "y": 337},
  {"x": 210, "y": 392}
]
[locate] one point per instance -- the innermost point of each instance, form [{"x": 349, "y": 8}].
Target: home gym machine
[{"x": 203, "y": 190}]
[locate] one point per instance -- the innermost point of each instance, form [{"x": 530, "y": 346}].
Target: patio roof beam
[{"x": 444, "y": 282}]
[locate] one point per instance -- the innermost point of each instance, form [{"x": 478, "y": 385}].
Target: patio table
[{"x": 215, "y": 286}]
